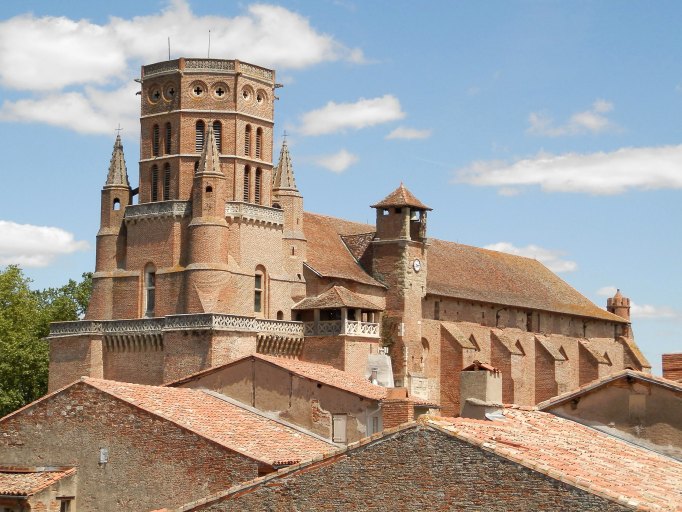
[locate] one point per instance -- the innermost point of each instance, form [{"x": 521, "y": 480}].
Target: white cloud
[
  {"x": 403, "y": 132},
  {"x": 91, "y": 111},
  {"x": 607, "y": 291},
  {"x": 592, "y": 120},
  {"x": 337, "y": 162},
  {"x": 85, "y": 69},
  {"x": 336, "y": 117},
  {"x": 548, "y": 257},
  {"x": 35, "y": 246},
  {"x": 649, "y": 311},
  {"x": 600, "y": 173}
]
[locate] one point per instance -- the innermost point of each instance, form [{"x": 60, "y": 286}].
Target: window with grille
[
  {"x": 247, "y": 140},
  {"x": 257, "y": 183},
  {"x": 166, "y": 182},
  {"x": 247, "y": 184},
  {"x": 155, "y": 183},
  {"x": 169, "y": 139},
  {"x": 199, "y": 137},
  {"x": 217, "y": 131},
  {"x": 259, "y": 142},
  {"x": 258, "y": 293},
  {"x": 155, "y": 140}
]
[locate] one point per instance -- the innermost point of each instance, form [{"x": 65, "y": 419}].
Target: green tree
[{"x": 25, "y": 316}]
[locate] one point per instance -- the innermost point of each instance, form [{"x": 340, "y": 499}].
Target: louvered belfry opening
[
  {"x": 217, "y": 131},
  {"x": 155, "y": 183},
  {"x": 257, "y": 185},
  {"x": 247, "y": 140},
  {"x": 247, "y": 184},
  {"x": 169, "y": 139},
  {"x": 259, "y": 143},
  {"x": 199, "y": 136},
  {"x": 166, "y": 182},
  {"x": 155, "y": 140}
]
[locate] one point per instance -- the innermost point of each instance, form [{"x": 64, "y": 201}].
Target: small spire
[
  {"x": 209, "y": 163},
  {"x": 283, "y": 177},
  {"x": 118, "y": 173}
]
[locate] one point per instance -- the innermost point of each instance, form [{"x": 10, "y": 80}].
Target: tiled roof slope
[
  {"x": 16, "y": 481},
  {"x": 233, "y": 426},
  {"x": 473, "y": 273},
  {"x": 337, "y": 297},
  {"x": 318, "y": 372},
  {"x": 400, "y": 197},
  {"x": 596, "y": 384},
  {"x": 328, "y": 256},
  {"x": 578, "y": 455}
]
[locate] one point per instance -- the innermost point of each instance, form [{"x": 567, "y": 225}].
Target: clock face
[{"x": 417, "y": 265}]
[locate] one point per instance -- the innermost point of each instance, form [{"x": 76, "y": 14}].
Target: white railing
[
  {"x": 158, "y": 209},
  {"x": 255, "y": 212},
  {"x": 336, "y": 328}
]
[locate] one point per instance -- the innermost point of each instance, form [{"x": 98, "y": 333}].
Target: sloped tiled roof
[
  {"x": 322, "y": 373},
  {"x": 578, "y": 455},
  {"x": 453, "y": 329},
  {"x": 221, "y": 420},
  {"x": 604, "y": 381},
  {"x": 466, "y": 272},
  {"x": 632, "y": 347},
  {"x": 401, "y": 197},
  {"x": 25, "y": 481},
  {"x": 337, "y": 297},
  {"x": 328, "y": 256}
]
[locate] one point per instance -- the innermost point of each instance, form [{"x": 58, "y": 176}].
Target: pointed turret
[
  {"x": 209, "y": 163},
  {"x": 400, "y": 215},
  {"x": 283, "y": 177},
  {"x": 118, "y": 173}
]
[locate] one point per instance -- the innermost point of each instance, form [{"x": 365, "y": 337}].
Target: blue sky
[{"x": 547, "y": 129}]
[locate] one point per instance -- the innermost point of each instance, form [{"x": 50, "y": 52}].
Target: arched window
[
  {"x": 247, "y": 184},
  {"x": 169, "y": 139},
  {"x": 257, "y": 186},
  {"x": 280, "y": 315},
  {"x": 425, "y": 353},
  {"x": 149, "y": 290},
  {"x": 209, "y": 189},
  {"x": 259, "y": 290},
  {"x": 218, "y": 131},
  {"x": 199, "y": 137},
  {"x": 155, "y": 140},
  {"x": 117, "y": 204},
  {"x": 155, "y": 183},
  {"x": 259, "y": 142},
  {"x": 247, "y": 140},
  {"x": 166, "y": 182}
]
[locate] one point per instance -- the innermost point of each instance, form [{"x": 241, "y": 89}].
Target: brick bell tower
[
  {"x": 207, "y": 265},
  {"x": 400, "y": 262}
]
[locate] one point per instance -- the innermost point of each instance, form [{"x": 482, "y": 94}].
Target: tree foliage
[{"x": 25, "y": 317}]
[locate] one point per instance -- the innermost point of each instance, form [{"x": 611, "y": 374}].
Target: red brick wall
[
  {"x": 152, "y": 462},
  {"x": 396, "y": 412},
  {"x": 672, "y": 366},
  {"x": 545, "y": 375},
  {"x": 416, "y": 469}
]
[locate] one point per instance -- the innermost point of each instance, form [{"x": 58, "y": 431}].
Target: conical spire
[
  {"x": 283, "y": 177},
  {"x": 209, "y": 163},
  {"x": 118, "y": 173}
]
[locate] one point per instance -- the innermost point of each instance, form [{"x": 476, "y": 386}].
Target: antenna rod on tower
[
  {"x": 169, "y": 48},
  {"x": 209, "y": 45}
]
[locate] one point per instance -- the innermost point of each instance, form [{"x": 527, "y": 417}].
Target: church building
[{"x": 212, "y": 258}]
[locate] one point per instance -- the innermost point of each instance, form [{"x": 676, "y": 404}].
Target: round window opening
[{"x": 154, "y": 94}]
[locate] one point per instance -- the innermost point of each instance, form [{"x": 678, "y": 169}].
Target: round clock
[{"x": 417, "y": 265}]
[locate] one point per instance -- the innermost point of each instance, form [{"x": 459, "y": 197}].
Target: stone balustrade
[
  {"x": 254, "y": 212},
  {"x": 207, "y": 65},
  {"x": 158, "y": 209},
  {"x": 339, "y": 327},
  {"x": 157, "y": 326}
]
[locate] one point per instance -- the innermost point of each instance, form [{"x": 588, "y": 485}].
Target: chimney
[{"x": 480, "y": 384}]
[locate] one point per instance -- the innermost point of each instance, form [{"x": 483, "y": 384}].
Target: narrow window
[
  {"x": 155, "y": 183},
  {"x": 247, "y": 140},
  {"x": 199, "y": 137},
  {"x": 259, "y": 142},
  {"x": 166, "y": 182},
  {"x": 117, "y": 204},
  {"x": 257, "y": 184},
  {"x": 280, "y": 315},
  {"x": 155, "y": 140},
  {"x": 247, "y": 185},
  {"x": 339, "y": 428},
  {"x": 436, "y": 310},
  {"x": 169, "y": 139},
  {"x": 217, "y": 131},
  {"x": 258, "y": 293},
  {"x": 64, "y": 506},
  {"x": 150, "y": 290}
]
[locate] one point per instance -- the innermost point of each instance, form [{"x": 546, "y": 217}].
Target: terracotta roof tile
[
  {"x": 576, "y": 454},
  {"x": 327, "y": 255},
  {"x": 18, "y": 481},
  {"x": 221, "y": 420},
  {"x": 337, "y": 297},
  {"x": 632, "y": 347},
  {"x": 401, "y": 197},
  {"x": 598, "y": 383},
  {"x": 318, "y": 372},
  {"x": 473, "y": 273}
]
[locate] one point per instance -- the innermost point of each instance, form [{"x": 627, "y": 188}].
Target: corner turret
[
  {"x": 619, "y": 305},
  {"x": 400, "y": 215}
]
